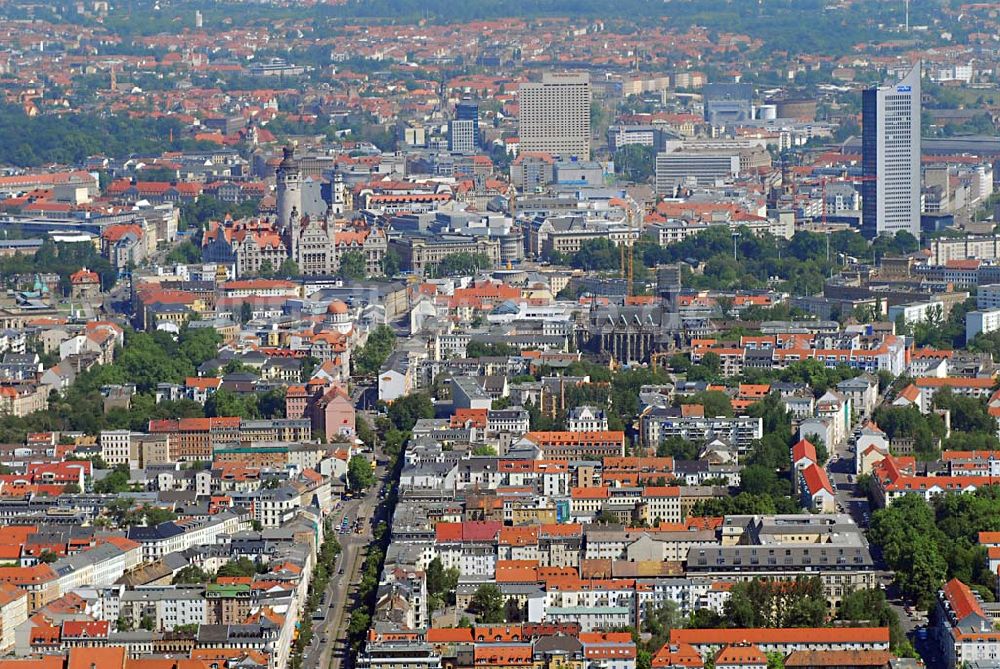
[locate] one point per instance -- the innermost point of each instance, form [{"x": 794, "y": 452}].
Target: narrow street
[
  {"x": 854, "y": 501},
  {"x": 328, "y": 648}
]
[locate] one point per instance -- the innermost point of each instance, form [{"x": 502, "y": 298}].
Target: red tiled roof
[
  {"x": 879, "y": 635},
  {"x": 963, "y": 603},
  {"x": 484, "y": 530},
  {"x": 816, "y": 479},
  {"x": 804, "y": 449}
]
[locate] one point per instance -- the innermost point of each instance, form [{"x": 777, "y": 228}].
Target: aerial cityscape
[{"x": 552, "y": 334}]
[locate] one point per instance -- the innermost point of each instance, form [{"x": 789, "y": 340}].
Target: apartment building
[
  {"x": 707, "y": 642},
  {"x": 577, "y": 445},
  {"x": 965, "y": 633},
  {"x": 656, "y": 425}
]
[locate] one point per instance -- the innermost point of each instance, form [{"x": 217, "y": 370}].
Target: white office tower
[
  {"x": 890, "y": 148},
  {"x": 555, "y": 115}
]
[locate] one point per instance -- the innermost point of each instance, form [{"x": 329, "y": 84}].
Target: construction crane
[
  {"x": 627, "y": 257},
  {"x": 627, "y": 261},
  {"x": 654, "y": 358}
]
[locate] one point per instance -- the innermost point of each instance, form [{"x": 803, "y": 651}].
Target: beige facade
[{"x": 555, "y": 115}]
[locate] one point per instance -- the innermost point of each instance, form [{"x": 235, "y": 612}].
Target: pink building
[{"x": 333, "y": 415}]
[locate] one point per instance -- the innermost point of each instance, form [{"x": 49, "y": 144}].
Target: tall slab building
[
  {"x": 890, "y": 148},
  {"x": 555, "y": 115}
]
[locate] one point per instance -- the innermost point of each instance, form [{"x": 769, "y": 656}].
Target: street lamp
[{"x": 735, "y": 237}]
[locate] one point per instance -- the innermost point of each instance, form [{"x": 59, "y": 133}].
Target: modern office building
[
  {"x": 694, "y": 168},
  {"x": 462, "y": 136},
  {"x": 468, "y": 110},
  {"x": 728, "y": 103},
  {"x": 890, "y": 148},
  {"x": 555, "y": 115}
]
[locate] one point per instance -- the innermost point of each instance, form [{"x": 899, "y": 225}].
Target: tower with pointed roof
[{"x": 289, "y": 181}]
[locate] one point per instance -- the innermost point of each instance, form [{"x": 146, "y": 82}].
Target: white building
[
  {"x": 964, "y": 631},
  {"x": 917, "y": 312},
  {"x": 462, "y": 136},
  {"x": 13, "y": 613},
  {"x": 116, "y": 448},
  {"x": 981, "y": 321},
  {"x": 587, "y": 419},
  {"x": 555, "y": 115},
  {"x": 890, "y": 147},
  {"x": 694, "y": 168}
]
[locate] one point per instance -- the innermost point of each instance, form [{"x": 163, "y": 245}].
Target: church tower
[{"x": 289, "y": 179}]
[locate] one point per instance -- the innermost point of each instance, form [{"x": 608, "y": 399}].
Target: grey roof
[
  {"x": 779, "y": 558},
  {"x": 161, "y": 593},
  {"x": 159, "y": 532}
]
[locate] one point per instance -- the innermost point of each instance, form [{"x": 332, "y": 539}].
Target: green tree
[
  {"x": 435, "y": 576},
  {"x": 870, "y": 607},
  {"x": 462, "y": 264},
  {"x": 352, "y": 266},
  {"x": 115, "y": 482},
  {"x": 635, "y": 162},
  {"x": 605, "y": 518},
  {"x": 597, "y": 255},
  {"x": 406, "y": 411},
  {"x": 513, "y": 612},
  {"x": 239, "y": 567},
  {"x": 678, "y": 448},
  {"x": 198, "y": 345},
  {"x": 480, "y": 349},
  {"x": 777, "y": 603},
  {"x": 359, "y": 473},
  {"x": 191, "y": 575},
  {"x": 391, "y": 263},
  {"x": 153, "y": 515},
  {"x": 288, "y": 269},
  {"x": 272, "y": 403},
  {"x": 659, "y": 621},
  {"x": 185, "y": 253},
  {"x": 228, "y": 403},
  {"x": 488, "y": 604},
  {"x": 911, "y": 545},
  {"x": 378, "y": 347},
  {"x": 715, "y": 402},
  {"x": 359, "y": 623}
]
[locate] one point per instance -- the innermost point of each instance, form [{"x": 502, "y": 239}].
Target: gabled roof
[
  {"x": 804, "y": 450},
  {"x": 746, "y": 656},
  {"x": 816, "y": 480},
  {"x": 962, "y": 601}
]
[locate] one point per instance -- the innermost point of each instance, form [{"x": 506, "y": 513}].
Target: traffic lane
[{"x": 333, "y": 654}]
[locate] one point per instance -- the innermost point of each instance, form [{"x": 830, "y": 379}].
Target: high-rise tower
[
  {"x": 555, "y": 115},
  {"x": 890, "y": 157},
  {"x": 289, "y": 179}
]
